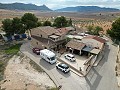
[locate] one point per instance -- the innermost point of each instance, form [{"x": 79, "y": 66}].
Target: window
[{"x": 41, "y": 36}]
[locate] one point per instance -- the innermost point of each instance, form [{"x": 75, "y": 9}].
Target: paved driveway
[
  {"x": 68, "y": 81},
  {"x": 101, "y": 77}
]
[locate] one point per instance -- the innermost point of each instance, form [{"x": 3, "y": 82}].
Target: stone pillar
[{"x": 80, "y": 52}]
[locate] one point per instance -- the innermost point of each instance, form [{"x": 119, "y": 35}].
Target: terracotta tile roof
[
  {"x": 46, "y": 29},
  {"x": 63, "y": 31},
  {"x": 51, "y": 30},
  {"x": 96, "y": 38},
  {"x": 75, "y": 45}
]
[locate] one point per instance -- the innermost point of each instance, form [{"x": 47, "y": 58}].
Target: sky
[{"x": 56, "y": 4}]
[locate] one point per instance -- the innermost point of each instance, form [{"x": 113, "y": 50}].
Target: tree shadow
[{"x": 93, "y": 84}]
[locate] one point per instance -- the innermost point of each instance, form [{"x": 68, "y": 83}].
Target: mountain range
[
  {"x": 22, "y": 6},
  {"x": 87, "y": 9}
]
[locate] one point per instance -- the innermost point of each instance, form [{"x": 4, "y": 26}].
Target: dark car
[
  {"x": 36, "y": 51},
  {"x": 63, "y": 67}
]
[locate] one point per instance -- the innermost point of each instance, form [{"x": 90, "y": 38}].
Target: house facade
[{"x": 49, "y": 37}]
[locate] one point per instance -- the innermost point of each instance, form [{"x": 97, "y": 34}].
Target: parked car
[
  {"x": 36, "y": 51},
  {"x": 70, "y": 57},
  {"x": 63, "y": 67}
]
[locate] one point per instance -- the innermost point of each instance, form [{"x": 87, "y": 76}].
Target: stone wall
[{"x": 117, "y": 68}]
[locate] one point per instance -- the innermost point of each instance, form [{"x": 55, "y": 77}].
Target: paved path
[
  {"x": 103, "y": 77},
  {"x": 68, "y": 81}
]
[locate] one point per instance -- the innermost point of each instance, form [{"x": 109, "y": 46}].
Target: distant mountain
[
  {"x": 21, "y": 6},
  {"x": 87, "y": 9}
]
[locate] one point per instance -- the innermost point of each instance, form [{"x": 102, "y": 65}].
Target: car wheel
[
  {"x": 64, "y": 72},
  {"x": 65, "y": 57},
  {"x": 56, "y": 67}
]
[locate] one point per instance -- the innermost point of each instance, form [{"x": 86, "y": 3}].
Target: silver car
[{"x": 70, "y": 57}]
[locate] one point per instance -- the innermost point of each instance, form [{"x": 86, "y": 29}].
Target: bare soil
[{"x": 20, "y": 75}]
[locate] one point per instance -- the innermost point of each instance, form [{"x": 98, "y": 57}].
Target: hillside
[
  {"x": 21, "y": 6},
  {"x": 87, "y": 9}
]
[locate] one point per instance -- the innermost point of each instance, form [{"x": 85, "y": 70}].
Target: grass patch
[
  {"x": 35, "y": 66},
  {"x": 13, "y": 49},
  {"x": 3, "y": 64},
  {"x": 54, "y": 88}
]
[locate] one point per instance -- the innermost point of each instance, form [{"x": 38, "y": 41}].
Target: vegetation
[
  {"x": 115, "y": 30},
  {"x": 3, "y": 63},
  {"x": 47, "y": 23},
  {"x": 29, "y": 20},
  {"x": 60, "y": 22},
  {"x": 7, "y": 26},
  {"x": 94, "y": 30},
  {"x": 17, "y": 26},
  {"x": 70, "y": 22},
  {"x": 13, "y": 49},
  {"x": 53, "y": 88},
  {"x": 39, "y": 24},
  {"x": 35, "y": 66}
]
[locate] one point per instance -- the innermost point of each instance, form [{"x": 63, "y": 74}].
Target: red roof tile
[{"x": 96, "y": 38}]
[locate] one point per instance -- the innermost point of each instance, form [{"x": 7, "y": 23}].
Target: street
[
  {"x": 101, "y": 77},
  {"x": 69, "y": 81}
]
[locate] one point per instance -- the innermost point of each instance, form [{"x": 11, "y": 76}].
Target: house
[
  {"x": 49, "y": 37},
  {"x": 94, "y": 44},
  {"x": 75, "y": 46},
  {"x": 94, "y": 41}
]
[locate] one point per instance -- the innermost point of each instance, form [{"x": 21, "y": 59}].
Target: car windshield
[
  {"x": 65, "y": 66},
  {"x": 72, "y": 57},
  {"x": 52, "y": 58}
]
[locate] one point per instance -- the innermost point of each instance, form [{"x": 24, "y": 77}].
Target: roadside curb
[{"x": 43, "y": 69}]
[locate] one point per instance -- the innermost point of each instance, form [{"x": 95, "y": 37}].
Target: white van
[{"x": 48, "y": 55}]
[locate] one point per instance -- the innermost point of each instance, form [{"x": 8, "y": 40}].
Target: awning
[
  {"x": 95, "y": 51},
  {"x": 87, "y": 49},
  {"x": 54, "y": 36}
]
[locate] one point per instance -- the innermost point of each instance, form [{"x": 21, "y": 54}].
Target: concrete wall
[{"x": 36, "y": 43}]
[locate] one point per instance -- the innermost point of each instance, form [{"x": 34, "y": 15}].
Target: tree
[
  {"x": 47, "y": 23},
  {"x": 97, "y": 30},
  {"x": 39, "y": 24},
  {"x": 17, "y": 26},
  {"x": 90, "y": 28},
  {"x": 60, "y": 22},
  {"x": 70, "y": 22},
  {"x": 29, "y": 20},
  {"x": 94, "y": 30},
  {"x": 115, "y": 30},
  {"x": 7, "y": 27}
]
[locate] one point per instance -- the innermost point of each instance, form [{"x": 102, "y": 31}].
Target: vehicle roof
[
  {"x": 47, "y": 52},
  {"x": 70, "y": 55},
  {"x": 64, "y": 65}
]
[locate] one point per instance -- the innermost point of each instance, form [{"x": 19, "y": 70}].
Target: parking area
[{"x": 79, "y": 62}]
